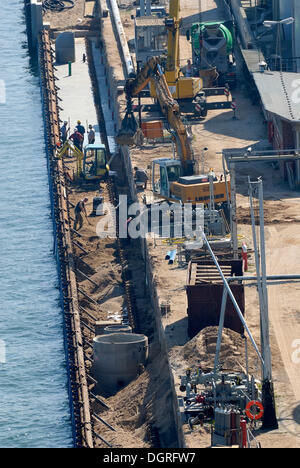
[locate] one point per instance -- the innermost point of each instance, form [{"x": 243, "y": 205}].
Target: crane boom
[
  {"x": 152, "y": 71},
  {"x": 173, "y": 58}
]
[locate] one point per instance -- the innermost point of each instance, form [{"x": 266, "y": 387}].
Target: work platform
[{"x": 77, "y": 103}]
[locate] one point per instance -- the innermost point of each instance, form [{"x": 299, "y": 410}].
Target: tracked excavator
[{"x": 173, "y": 179}]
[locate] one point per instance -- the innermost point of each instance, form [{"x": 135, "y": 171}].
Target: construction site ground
[{"x": 218, "y": 131}]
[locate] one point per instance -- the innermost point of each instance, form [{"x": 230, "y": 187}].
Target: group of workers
[{"x": 77, "y": 136}]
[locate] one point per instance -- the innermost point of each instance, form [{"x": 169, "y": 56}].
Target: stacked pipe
[{"x": 122, "y": 39}]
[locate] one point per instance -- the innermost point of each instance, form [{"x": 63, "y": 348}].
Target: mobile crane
[
  {"x": 172, "y": 179},
  {"x": 187, "y": 90}
]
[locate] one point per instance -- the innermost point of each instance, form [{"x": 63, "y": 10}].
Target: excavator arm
[{"x": 169, "y": 107}]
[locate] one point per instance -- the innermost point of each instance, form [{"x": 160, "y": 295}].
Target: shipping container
[{"x": 204, "y": 295}]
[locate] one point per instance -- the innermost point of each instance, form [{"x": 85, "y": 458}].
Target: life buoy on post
[{"x": 254, "y": 416}]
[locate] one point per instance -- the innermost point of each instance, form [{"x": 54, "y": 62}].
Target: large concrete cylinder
[
  {"x": 117, "y": 359},
  {"x": 117, "y": 328}
]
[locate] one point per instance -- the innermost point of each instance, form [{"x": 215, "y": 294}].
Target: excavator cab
[
  {"x": 169, "y": 183},
  {"x": 95, "y": 165},
  {"x": 165, "y": 171}
]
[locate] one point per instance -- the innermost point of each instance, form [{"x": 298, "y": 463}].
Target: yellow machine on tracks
[
  {"x": 91, "y": 164},
  {"x": 172, "y": 179}
]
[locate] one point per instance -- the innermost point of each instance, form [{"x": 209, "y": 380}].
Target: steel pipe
[
  {"x": 269, "y": 278},
  {"x": 122, "y": 38},
  {"x": 231, "y": 295}
]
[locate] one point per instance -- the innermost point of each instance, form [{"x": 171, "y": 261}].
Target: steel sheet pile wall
[
  {"x": 78, "y": 388},
  {"x": 204, "y": 297}
]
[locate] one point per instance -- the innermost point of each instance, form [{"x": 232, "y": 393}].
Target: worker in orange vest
[{"x": 245, "y": 256}]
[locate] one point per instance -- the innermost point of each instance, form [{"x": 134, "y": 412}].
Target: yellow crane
[
  {"x": 172, "y": 179},
  {"x": 181, "y": 87},
  {"x": 187, "y": 90}
]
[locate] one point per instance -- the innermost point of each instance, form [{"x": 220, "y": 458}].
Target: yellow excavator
[
  {"x": 91, "y": 163},
  {"x": 172, "y": 179},
  {"x": 187, "y": 90}
]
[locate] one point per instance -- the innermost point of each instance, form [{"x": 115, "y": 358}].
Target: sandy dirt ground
[
  {"x": 68, "y": 19},
  {"x": 219, "y": 131}
]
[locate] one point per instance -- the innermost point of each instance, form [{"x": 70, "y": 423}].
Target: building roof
[
  {"x": 278, "y": 92},
  {"x": 252, "y": 58}
]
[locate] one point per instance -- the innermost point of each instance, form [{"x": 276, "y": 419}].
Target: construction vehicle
[
  {"x": 91, "y": 164},
  {"x": 187, "y": 90},
  {"x": 213, "y": 48},
  {"x": 172, "y": 179}
]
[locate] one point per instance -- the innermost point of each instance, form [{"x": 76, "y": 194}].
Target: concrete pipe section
[
  {"x": 118, "y": 358},
  {"x": 117, "y": 329}
]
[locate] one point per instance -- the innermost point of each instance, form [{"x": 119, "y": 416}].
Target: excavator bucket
[{"x": 129, "y": 134}]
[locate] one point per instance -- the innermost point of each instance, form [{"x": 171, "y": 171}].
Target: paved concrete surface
[
  {"x": 106, "y": 101},
  {"x": 76, "y": 93}
]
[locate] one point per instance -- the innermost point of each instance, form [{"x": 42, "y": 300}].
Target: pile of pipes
[{"x": 171, "y": 255}]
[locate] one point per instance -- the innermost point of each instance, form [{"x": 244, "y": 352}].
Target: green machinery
[{"x": 213, "y": 47}]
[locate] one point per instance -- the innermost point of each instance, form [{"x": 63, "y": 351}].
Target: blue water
[{"x": 34, "y": 406}]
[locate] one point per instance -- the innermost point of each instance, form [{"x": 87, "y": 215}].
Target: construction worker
[
  {"x": 79, "y": 209},
  {"x": 77, "y": 139},
  {"x": 189, "y": 69},
  {"x": 64, "y": 132},
  {"x": 141, "y": 176},
  {"x": 245, "y": 256},
  {"x": 91, "y": 135},
  {"x": 212, "y": 173},
  {"x": 80, "y": 128}
]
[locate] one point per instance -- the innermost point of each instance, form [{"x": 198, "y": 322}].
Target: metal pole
[
  {"x": 220, "y": 331},
  {"x": 234, "y": 237},
  {"x": 257, "y": 260},
  {"x": 148, "y": 8},
  {"x": 269, "y": 278},
  {"x": 246, "y": 360},
  {"x": 211, "y": 202},
  {"x": 268, "y": 400},
  {"x": 264, "y": 310},
  {"x": 236, "y": 306},
  {"x": 225, "y": 178},
  {"x": 122, "y": 38}
]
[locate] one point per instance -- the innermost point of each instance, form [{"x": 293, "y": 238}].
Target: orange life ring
[{"x": 250, "y": 415}]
